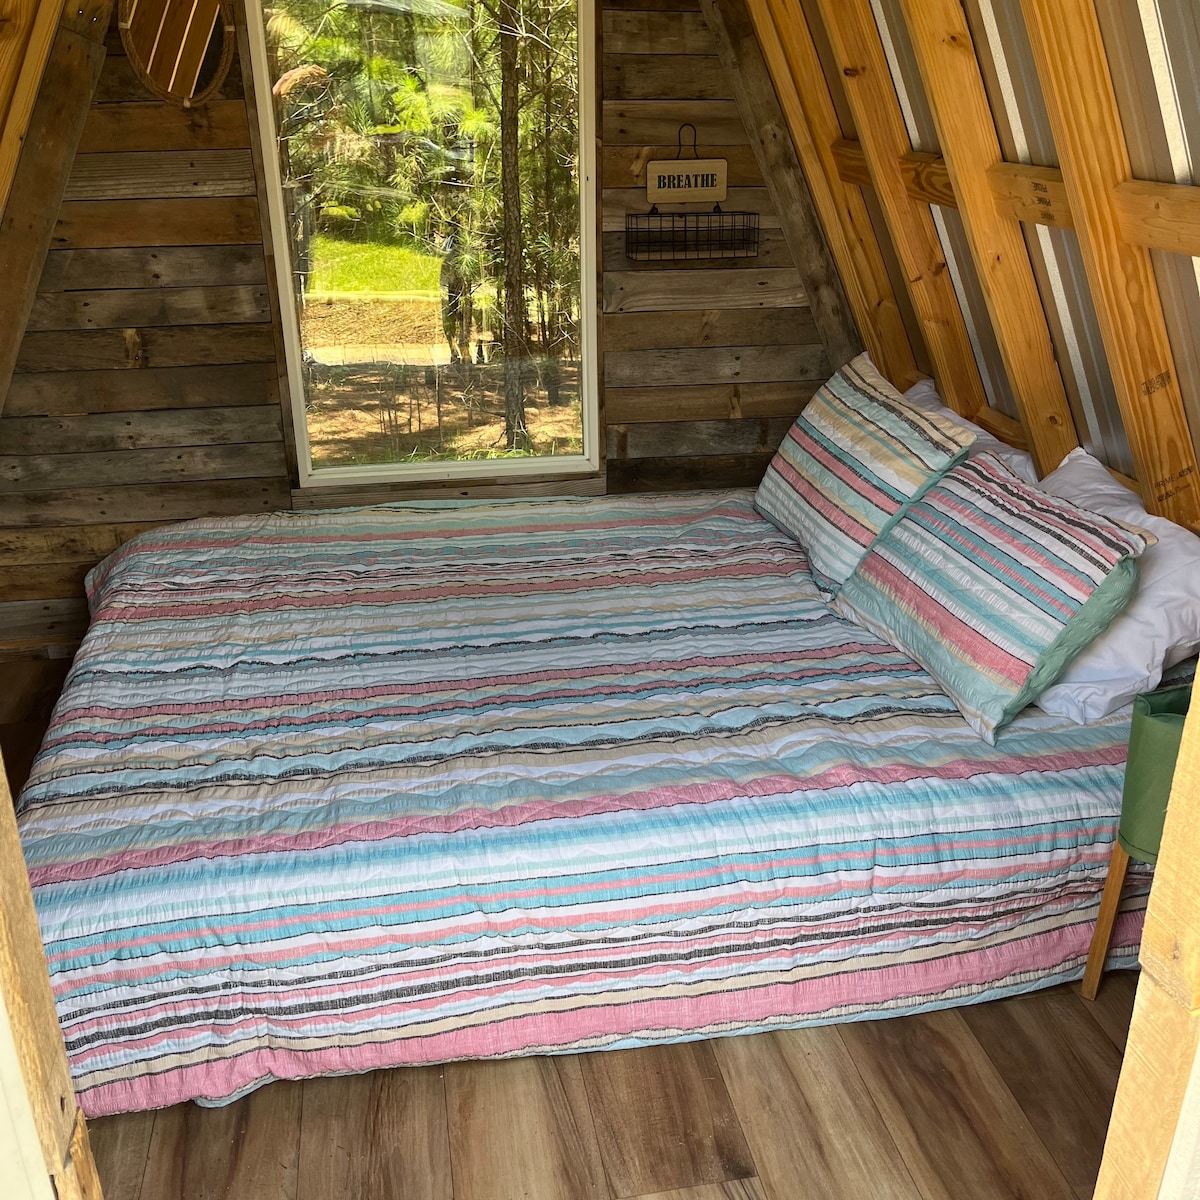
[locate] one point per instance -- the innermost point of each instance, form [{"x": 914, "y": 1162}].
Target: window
[{"x": 430, "y": 172}]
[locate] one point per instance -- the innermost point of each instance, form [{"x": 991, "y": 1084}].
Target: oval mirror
[{"x": 180, "y": 49}]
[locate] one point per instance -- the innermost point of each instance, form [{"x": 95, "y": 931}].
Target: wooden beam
[
  {"x": 1068, "y": 49},
  {"x": 1028, "y": 193},
  {"x": 43, "y": 169},
  {"x": 872, "y": 97},
  {"x": 742, "y": 58},
  {"x": 29, "y": 1006},
  {"x": 1022, "y": 192},
  {"x": 1163, "y": 216},
  {"x": 941, "y": 40},
  {"x": 792, "y": 59}
]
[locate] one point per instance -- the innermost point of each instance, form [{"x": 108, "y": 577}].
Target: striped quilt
[{"x": 327, "y": 792}]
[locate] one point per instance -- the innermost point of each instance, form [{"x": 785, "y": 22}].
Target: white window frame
[{"x": 586, "y": 463}]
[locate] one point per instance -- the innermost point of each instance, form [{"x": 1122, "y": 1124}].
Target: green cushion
[{"x": 1154, "y": 739}]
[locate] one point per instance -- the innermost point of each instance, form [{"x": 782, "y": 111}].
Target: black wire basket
[{"x": 659, "y": 237}]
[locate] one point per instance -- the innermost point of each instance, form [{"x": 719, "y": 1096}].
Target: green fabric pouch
[{"x": 1154, "y": 740}]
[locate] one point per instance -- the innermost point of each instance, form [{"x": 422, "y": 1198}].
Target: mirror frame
[{"x": 225, "y": 21}]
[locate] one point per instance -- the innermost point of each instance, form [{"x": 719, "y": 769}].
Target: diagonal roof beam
[{"x": 47, "y": 146}]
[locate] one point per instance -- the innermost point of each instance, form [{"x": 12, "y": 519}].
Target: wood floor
[{"x": 1005, "y": 1100}]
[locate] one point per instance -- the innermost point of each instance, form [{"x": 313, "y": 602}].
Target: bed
[{"x": 334, "y": 791}]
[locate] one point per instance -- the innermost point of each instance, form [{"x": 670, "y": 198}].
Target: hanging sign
[{"x": 677, "y": 180}]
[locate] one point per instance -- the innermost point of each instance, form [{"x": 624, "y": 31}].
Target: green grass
[{"x": 371, "y": 267}]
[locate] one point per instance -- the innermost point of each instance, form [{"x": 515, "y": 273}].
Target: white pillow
[
  {"x": 1160, "y": 628},
  {"x": 923, "y": 395}
]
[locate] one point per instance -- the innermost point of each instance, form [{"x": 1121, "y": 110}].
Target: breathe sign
[{"x": 681, "y": 179}]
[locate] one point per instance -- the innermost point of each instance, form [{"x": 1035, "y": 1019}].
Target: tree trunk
[{"x": 516, "y": 436}]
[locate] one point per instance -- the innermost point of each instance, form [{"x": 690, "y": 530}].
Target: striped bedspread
[{"x": 335, "y": 791}]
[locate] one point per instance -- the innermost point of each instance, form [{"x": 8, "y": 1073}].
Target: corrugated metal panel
[
  {"x": 1011, "y": 80},
  {"x": 921, "y": 131},
  {"x": 1154, "y": 52}
]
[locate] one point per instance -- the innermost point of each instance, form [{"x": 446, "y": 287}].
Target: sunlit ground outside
[{"x": 381, "y": 384}]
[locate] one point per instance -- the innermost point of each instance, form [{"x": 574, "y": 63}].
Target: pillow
[
  {"x": 1162, "y": 625},
  {"x": 993, "y": 586},
  {"x": 848, "y": 464},
  {"x": 923, "y": 395}
]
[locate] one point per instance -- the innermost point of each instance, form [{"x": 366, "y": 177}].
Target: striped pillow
[
  {"x": 855, "y": 455},
  {"x": 993, "y": 586}
]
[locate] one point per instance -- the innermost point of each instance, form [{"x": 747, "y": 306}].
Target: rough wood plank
[
  {"x": 689, "y": 439},
  {"x": 113, "y": 309},
  {"x": 145, "y": 175},
  {"x": 708, "y": 327},
  {"x": 715, "y": 364},
  {"x": 376, "y": 1136},
  {"x": 673, "y": 6},
  {"x": 155, "y": 502},
  {"x": 665, "y": 77},
  {"x": 248, "y": 1150},
  {"x": 1165, "y": 216},
  {"x": 737, "y": 45},
  {"x": 119, "y": 82},
  {"x": 521, "y": 1127},
  {"x": 39, "y": 178},
  {"x": 773, "y": 251},
  {"x": 959, "y": 1129},
  {"x": 1112, "y": 1008},
  {"x": 222, "y": 220},
  {"x": 53, "y": 581},
  {"x": 58, "y": 392},
  {"x": 1068, "y": 48},
  {"x": 1061, "y": 1068},
  {"x": 799, "y": 78},
  {"x": 616, "y": 202},
  {"x": 24, "y": 474},
  {"x": 31, "y": 688},
  {"x": 872, "y": 99},
  {"x": 136, "y": 431},
  {"x": 1029, "y": 193},
  {"x": 707, "y": 403},
  {"x": 176, "y": 346},
  {"x": 656, "y": 33},
  {"x": 78, "y": 1179},
  {"x": 153, "y": 266},
  {"x": 86, "y": 545},
  {"x": 808, "y": 1116},
  {"x": 655, "y": 291},
  {"x": 686, "y": 474},
  {"x": 664, "y": 1119},
  {"x": 625, "y": 166},
  {"x": 43, "y": 620},
  {"x": 941, "y": 40},
  {"x": 1164, "y": 1040},
  {"x": 153, "y": 125},
  {"x": 656, "y": 122}
]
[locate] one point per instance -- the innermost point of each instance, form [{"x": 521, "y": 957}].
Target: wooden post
[
  {"x": 1069, "y": 51},
  {"x": 791, "y": 57},
  {"x": 43, "y": 167},
  {"x": 1165, "y": 1032},
  {"x": 950, "y": 71},
  {"x": 771, "y": 141},
  {"x": 28, "y": 1004},
  {"x": 885, "y": 141}
]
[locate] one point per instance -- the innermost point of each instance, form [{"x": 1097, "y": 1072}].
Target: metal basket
[{"x": 658, "y": 237}]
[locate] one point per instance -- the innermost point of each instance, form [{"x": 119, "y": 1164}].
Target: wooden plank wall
[
  {"x": 146, "y": 387},
  {"x": 706, "y": 363}
]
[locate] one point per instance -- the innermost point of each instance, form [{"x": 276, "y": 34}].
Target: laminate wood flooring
[{"x": 1001, "y": 1101}]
